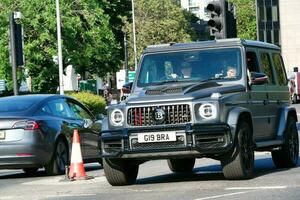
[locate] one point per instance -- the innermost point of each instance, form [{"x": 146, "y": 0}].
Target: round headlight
[
  {"x": 117, "y": 117},
  {"x": 208, "y": 111}
]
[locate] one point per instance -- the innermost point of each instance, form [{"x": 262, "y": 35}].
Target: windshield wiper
[{"x": 212, "y": 79}]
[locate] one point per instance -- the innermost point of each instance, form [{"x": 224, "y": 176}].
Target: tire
[
  {"x": 288, "y": 155},
  {"x": 240, "y": 163},
  {"x": 31, "y": 171},
  {"x": 59, "y": 159},
  {"x": 181, "y": 165},
  {"x": 120, "y": 172}
]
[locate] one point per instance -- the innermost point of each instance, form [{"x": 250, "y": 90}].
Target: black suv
[{"x": 220, "y": 99}]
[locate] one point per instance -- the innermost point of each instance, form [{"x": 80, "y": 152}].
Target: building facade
[
  {"x": 290, "y": 32},
  {"x": 278, "y": 23}
]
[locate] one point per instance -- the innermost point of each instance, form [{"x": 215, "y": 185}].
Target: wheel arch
[
  {"x": 237, "y": 115},
  {"x": 285, "y": 113}
]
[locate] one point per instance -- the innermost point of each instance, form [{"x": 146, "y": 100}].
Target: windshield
[{"x": 189, "y": 66}]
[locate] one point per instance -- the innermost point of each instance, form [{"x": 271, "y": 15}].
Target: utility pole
[
  {"x": 125, "y": 57},
  {"x": 16, "y": 47},
  {"x": 134, "y": 38},
  {"x": 59, "y": 48}
]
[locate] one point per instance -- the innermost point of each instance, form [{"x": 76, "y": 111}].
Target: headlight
[
  {"x": 117, "y": 117},
  {"x": 208, "y": 111}
]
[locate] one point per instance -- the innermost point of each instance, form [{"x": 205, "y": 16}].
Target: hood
[{"x": 185, "y": 92}]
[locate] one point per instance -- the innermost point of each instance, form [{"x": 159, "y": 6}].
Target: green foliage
[
  {"x": 246, "y": 19},
  {"x": 96, "y": 104},
  {"x": 157, "y": 21},
  {"x": 88, "y": 41}
]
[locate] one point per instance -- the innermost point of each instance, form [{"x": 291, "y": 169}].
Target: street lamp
[
  {"x": 59, "y": 48},
  {"x": 134, "y": 38}
]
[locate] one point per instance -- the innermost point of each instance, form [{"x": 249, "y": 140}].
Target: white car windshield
[{"x": 189, "y": 66}]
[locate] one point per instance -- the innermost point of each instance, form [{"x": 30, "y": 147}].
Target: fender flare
[
  {"x": 234, "y": 116},
  {"x": 284, "y": 113},
  {"x": 104, "y": 124}
]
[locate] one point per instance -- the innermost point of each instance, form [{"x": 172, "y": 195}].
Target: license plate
[
  {"x": 157, "y": 137},
  {"x": 2, "y": 135}
]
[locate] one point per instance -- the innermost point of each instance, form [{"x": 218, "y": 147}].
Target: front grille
[
  {"x": 174, "y": 114},
  {"x": 180, "y": 142}
]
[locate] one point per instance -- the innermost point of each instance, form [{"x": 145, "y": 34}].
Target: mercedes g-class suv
[{"x": 222, "y": 99}]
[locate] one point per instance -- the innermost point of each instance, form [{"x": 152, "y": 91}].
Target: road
[{"x": 156, "y": 182}]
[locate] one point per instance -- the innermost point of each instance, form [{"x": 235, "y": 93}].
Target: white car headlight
[
  {"x": 117, "y": 117},
  {"x": 208, "y": 111}
]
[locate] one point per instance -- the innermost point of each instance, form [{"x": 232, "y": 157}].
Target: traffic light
[
  {"x": 222, "y": 20},
  {"x": 217, "y": 21}
]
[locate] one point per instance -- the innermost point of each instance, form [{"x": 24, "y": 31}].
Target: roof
[{"x": 208, "y": 44}]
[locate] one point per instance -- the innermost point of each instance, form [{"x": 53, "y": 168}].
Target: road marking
[
  {"x": 250, "y": 189},
  {"x": 223, "y": 195},
  {"x": 257, "y": 188},
  {"x": 58, "y": 181},
  {"x": 133, "y": 190}
]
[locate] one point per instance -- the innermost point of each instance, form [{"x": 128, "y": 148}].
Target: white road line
[
  {"x": 249, "y": 189},
  {"x": 223, "y": 195},
  {"x": 257, "y": 188}
]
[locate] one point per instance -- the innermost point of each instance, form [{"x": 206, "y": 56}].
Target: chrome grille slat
[{"x": 175, "y": 114}]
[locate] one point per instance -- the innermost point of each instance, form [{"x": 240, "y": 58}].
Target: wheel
[
  {"x": 59, "y": 159},
  {"x": 240, "y": 162},
  {"x": 120, "y": 172},
  {"x": 288, "y": 155},
  {"x": 181, "y": 165},
  {"x": 31, "y": 171}
]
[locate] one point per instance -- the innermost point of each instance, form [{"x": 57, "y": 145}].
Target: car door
[
  {"x": 257, "y": 98},
  {"x": 281, "y": 95},
  {"x": 61, "y": 111},
  {"x": 272, "y": 94},
  {"x": 89, "y": 129}
]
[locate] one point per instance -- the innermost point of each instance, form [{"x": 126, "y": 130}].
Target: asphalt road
[{"x": 156, "y": 182}]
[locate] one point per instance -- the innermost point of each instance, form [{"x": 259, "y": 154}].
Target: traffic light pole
[{"x": 13, "y": 53}]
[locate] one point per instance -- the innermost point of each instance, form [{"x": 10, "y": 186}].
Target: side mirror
[{"x": 258, "y": 78}]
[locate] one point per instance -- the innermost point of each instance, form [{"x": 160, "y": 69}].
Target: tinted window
[
  {"x": 279, "y": 69},
  {"x": 252, "y": 64},
  {"x": 79, "y": 112},
  {"x": 60, "y": 108},
  {"x": 266, "y": 66},
  {"x": 15, "y": 105}
]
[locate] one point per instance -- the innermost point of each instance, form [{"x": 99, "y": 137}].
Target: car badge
[{"x": 159, "y": 115}]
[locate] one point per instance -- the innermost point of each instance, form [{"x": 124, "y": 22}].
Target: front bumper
[{"x": 203, "y": 140}]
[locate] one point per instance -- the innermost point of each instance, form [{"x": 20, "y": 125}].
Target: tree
[
  {"x": 246, "y": 19},
  {"x": 88, "y": 41},
  {"x": 158, "y": 21}
]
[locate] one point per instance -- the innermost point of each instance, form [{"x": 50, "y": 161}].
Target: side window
[
  {"x": 266, "y": 66},
  {"x": 278, "y": 64},
  {"x": 252, "y": 64},
  {"x": 79, "y": 112},
  {"x": 44, "y": 110},
  {"x": 60, "y": 108}
]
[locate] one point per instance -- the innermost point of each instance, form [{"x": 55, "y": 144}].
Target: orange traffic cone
[{"x": 76, "y": 170}]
